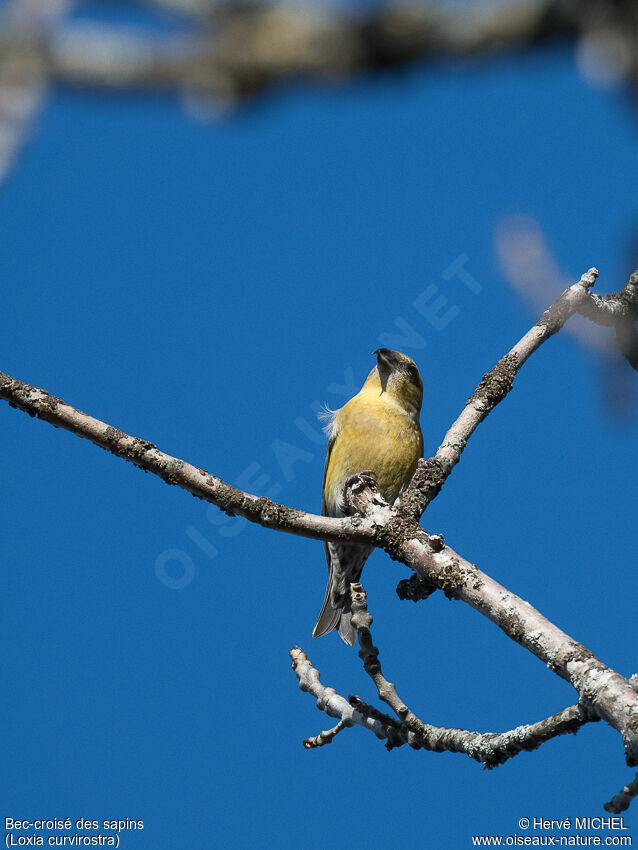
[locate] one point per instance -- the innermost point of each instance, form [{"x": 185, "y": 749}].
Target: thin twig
[{"x": 326, "y": 737}]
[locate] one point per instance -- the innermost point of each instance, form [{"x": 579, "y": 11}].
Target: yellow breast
[{"x": 372, "y": 433}]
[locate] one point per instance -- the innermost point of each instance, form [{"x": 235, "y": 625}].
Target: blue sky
[{"x": 206, "y": 287}]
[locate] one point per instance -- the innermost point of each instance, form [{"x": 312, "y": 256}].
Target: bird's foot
[
  {"x": 359, "y": 492},
  {"x": 361, "y": 479}
]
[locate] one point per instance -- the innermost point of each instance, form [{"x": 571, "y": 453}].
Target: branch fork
[{"x": 602, "y": 693}]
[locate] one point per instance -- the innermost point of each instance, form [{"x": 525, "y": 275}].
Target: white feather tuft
[{"x": 328, "y": 416}]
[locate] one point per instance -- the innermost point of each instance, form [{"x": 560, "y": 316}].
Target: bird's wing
[
  {"x": 331, "y": 442},
  {"x": 329, "y": 616}
]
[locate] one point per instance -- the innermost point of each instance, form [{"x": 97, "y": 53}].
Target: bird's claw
[
  {"x": 360, "y": 479},
  {"x": 359, "y": 492}
]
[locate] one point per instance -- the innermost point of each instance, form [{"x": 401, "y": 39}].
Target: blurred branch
[
  {"x": 432, "y": 472},
  {"x": 531, "y": 269},
  {"x": 236, "y": 50},
  {"x": 23, "y": 71},
  {"x": 218, "y": 55},
  {"x": 620, "y": 311}
]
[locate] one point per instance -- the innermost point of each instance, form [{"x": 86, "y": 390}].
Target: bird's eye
[{"x": 413, "y": 372}]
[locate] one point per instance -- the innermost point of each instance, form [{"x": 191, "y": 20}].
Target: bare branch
[
  {"x": 369, "y": 654},
  {"x": 392, "y": 725},
  {"x": 617, "y": 309},
  {"x": 249, "y": 50},
  {"x": 611, "y": 309},
  {"x": 602, "y": 692},
  {"x": 623, "y": 798},
  {"x": 490, "y": 748},
  {"x": 172, "y": 470},
  {"x": 327, "y": 737},
  {"x": 433, "y": 472},
  {"x": 328, "y": 700}
]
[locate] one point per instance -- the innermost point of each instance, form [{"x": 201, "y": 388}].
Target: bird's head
[{"x": 397, "y": 375}]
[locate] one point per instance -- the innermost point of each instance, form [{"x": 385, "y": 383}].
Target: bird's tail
[
  {"x": 333, "y": 616},
  {"x": 329, "y": 615}
]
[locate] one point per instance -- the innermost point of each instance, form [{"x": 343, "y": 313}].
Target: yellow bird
[{"x": 377, "y": 430}]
